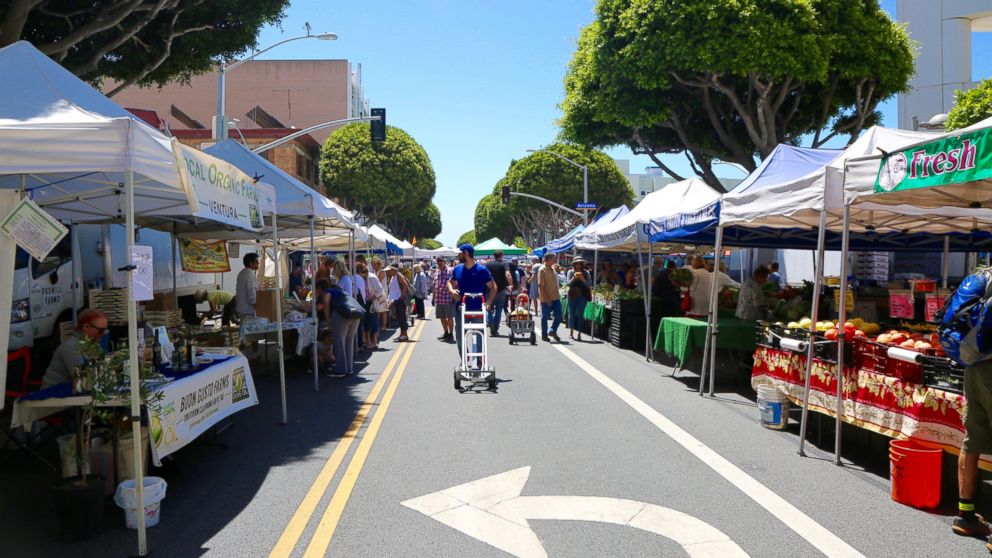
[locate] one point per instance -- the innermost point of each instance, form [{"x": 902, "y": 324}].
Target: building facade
[
  {"x": 943, "y": 31},
  {"x": 273, "y": 94},
  {"x": 654, "y": 178}
]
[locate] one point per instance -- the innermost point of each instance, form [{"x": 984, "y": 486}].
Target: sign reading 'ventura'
[{"x": 950, "y": 160}]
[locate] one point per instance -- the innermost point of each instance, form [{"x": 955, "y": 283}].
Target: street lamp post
[
  {"x": 585, "y": 180},
  {"x": 220, "y": 121}
]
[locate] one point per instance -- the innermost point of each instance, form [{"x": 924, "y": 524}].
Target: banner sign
[
  {"x": 849, "y": 300},
  {"x": 218, "y": 190},
  {"x": 200, "y": 256},
  {"x": 33, "y": 229},
  {"x": 901, "y": 304},
  {"x": 141, "y": 275},
  {"x": 191, "y": 405},
  {"x": 934, "y": 304},
  {"x": 953, "y": 160}
]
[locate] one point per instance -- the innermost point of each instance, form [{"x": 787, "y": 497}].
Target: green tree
[
  {"x": 542, "y": 174},
  {"x": 425, "y": 222},
  {"x": 729, "y": 81},
  {"x": 466, "y": 238},
  {"x": 519, "y": 242},
  {"x": 144, "y": 42},
  {"x": 971, "y": 107},
  {"x": 429, "y": 244},
  {"x": 381, "y": 181}
]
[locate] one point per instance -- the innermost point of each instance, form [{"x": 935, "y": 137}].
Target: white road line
[{"x": 804, "y": 526}]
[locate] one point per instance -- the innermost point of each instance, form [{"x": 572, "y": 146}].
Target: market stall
[
  {"x": 490, "y": 246},
  {"x": 559, "y": 245}
]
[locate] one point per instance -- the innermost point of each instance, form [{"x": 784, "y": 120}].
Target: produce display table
[
  {"x": 191, "y": 403},
  {"x": 680, "y": 337},
  {"x": 872, "y": 401}
]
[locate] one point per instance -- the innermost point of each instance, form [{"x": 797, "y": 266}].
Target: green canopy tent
[{"x": 488, "y": 247}]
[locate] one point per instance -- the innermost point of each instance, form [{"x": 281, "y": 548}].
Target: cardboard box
[
  {"x": 162, "y": 301},
  {"x": 267, "y": 304}
]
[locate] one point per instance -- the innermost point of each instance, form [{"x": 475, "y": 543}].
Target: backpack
[{"x": 965, "y": 328}]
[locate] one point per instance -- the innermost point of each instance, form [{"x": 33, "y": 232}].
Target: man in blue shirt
[{"x": 469, "y": 278}]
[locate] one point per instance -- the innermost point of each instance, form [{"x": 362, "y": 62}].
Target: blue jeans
[
  {"x": 499, "y": 301},
  {"x": 576, "y": 313},
  {"x": 548, "y": 308}
]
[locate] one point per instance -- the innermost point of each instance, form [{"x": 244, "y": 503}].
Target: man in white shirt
[
  {"x": 247, "y": 287},
  {"x": 699, "y": 291}
]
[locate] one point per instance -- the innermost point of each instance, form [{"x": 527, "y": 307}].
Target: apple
[
  {"x": 859, "y": 333},
  {"x": 923, "y": 345},
  {"x": 884, "y": 338},
  {"x": 831, "y": 334},
  {"x": 897, "y": 338},
  {"x": 908, "y": 344}
]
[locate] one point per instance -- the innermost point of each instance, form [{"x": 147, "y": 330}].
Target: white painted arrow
[{"x": 493, "y": 511}]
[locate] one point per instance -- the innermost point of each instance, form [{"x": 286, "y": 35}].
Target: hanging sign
[
  {"x": 33, "y": 229},
  {"x": 901, "y": 304},
  {"x": 141, "y": 275},
  {"x": 219, "y": 191},
  {"x": 952, "y": 160},
  {"x": 934, "y": 305},
  {"x": 849, "y": 301},
  {"x": 199, "y": 256}
]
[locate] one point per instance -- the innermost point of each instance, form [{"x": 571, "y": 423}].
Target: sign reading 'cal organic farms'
[
  {"x": 218, "y": 190},
  {"x": 953, "y": 160},
  {"x": 191, "y": 405}
]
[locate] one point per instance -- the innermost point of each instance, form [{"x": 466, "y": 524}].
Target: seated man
[
  {"x": 91, "y": 323},
  {"x": 219, "y": 301}
]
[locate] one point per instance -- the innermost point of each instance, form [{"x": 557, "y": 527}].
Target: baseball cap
[{"x": 467, "y": 248}]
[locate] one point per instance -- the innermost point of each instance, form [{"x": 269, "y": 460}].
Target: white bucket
[
  {"x": 127, "y": 500},
  {"x": 773, "y": 408},
  {"x": 125, "y": 453}
]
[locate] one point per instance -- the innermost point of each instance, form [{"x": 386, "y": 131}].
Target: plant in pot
[{"x": 80, "y": 499}]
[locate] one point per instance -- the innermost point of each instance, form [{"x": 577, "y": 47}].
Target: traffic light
[
  {"x": 506, "y": 194},
  {"x": 378, "y": 126}
]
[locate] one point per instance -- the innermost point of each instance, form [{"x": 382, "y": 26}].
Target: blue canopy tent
[{"x": 559, "y": 245}]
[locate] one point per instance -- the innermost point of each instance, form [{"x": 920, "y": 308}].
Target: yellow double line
[{"x": 332, "y": 514}]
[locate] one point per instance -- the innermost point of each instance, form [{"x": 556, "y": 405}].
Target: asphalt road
[{"x": 595, "y": 451}]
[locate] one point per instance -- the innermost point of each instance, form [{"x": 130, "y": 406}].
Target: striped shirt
[{"x": 441, "y": 293}]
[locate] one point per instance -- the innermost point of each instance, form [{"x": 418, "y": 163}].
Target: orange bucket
[{"x": 915, "y": 473}]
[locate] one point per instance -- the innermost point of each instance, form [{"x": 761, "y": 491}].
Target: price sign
[
  {"x": 901, "y": 304},
  {"x": 934, "y": 304},
  {"x": 849, "y": 303}
]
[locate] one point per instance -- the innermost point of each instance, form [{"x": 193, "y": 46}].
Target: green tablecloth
[
  {"x": 595, "y": 312},
  {"x": 679, "y": 337}
]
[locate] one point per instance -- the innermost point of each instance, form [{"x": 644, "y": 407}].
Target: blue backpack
[{"x": 965, "y": 329}]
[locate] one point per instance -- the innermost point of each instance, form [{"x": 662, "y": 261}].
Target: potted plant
[{"x": 79, "y": 500}]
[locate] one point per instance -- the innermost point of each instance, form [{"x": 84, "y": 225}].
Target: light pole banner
[
  {"x": 218, "y": 190},
  {"x": 954, "y": 160}
]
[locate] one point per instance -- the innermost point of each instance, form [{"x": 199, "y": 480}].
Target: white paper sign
[
  {"x": 218, "y": 190},
  {"x": 141, "y": 276},
  {"x": 33, "y": 229}
]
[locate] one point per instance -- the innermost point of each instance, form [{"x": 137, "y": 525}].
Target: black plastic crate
[
  {"x": 769, "y": 334},
  {"x": 826, "y": 350},
  {"x": 943, "y": 373}
]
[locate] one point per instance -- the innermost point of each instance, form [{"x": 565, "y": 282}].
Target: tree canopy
[
  {"x": 429, "y": 244},
  {"x": 729, "y": 81},
  {"x": 425, "y": 222},
  {"x": 971, "y": 107},
  {"x": 466, "y": 238},
  {"x": 545, "y": 175},
  {"x": 392, "y": 178},
  {"x": 144, "y": 42}
]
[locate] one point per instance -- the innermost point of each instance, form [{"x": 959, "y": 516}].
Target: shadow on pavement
[{"x": 209, "y": 486}]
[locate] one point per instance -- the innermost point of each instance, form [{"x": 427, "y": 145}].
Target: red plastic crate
[{"x": 870, "y": 356}]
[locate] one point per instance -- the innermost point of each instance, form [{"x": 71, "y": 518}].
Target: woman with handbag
[
  {"x": 398, "y": 290},
  {"x": 345, "y": 317},
  {"x": 374, "y": 296}
]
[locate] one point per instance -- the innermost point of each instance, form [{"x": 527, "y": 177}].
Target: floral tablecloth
[{"x": 876, "y": 402}]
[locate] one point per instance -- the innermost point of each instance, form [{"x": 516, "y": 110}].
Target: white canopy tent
[
  {"x": 82, "y": 158},
  {"x": 623, "y": 233}
]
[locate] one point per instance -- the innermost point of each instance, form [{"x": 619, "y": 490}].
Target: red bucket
[{"x": 915, "y": 473}]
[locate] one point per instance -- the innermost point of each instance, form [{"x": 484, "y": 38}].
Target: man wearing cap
[
  {"x": 547, "y": 291},
  {"x": 469, "y": 278},
  {"x": 501, "y": 276}
]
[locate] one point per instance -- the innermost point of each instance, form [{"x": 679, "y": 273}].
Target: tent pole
[
  {"x": 175, "y": 249},
  {"x": 595, "y": 267},
  {"x": 277, "y": 255},
  {"x": 649, "y": 350},
  {"x": 714, "y": 320},
  {"x": 74, "y": 247},
  {"x": 313, "y": 306},
  {"x": 817, "y": 286},
  {"x": 841, "y": 318},
  {"x": 132, "y": 344},
  {"x": 645, "y": 274},
  {"x": 946, "y": 262}
]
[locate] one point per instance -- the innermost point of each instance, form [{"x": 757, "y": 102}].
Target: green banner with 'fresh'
[{"x": 943, "y": 162}]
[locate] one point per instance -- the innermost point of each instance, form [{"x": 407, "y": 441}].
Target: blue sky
[{"x": 476, "y": 83}]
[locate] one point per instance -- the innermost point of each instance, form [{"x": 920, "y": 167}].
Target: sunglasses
[{"x": 101, "y": 330}]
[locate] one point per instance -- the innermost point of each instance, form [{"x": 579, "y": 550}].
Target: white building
[
  {"x": 943, "y": 31},
  {"x": 654, "y": 179}
]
